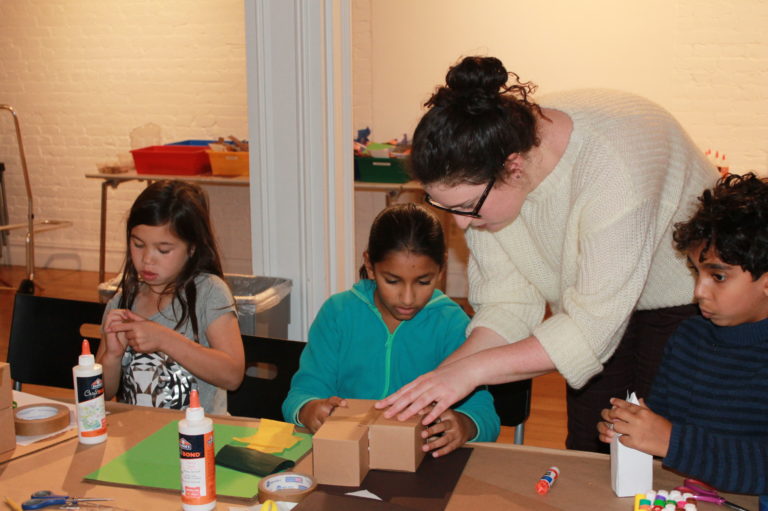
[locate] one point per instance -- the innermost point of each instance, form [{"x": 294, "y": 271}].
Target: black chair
[
  {"x": 46, "y": 337},
  {"x": 513, "y": 405},
  {"x": 270, "y": 365}
]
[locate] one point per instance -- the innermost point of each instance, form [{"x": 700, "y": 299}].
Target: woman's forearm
[
  {"x": 479, "y": 339},
  {"x": 506, "y": 363}
]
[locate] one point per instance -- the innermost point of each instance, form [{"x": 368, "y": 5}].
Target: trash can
[{"x": 263, "y": 303}]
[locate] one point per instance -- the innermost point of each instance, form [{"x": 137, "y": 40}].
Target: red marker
[{"x": 547, "y": 480}]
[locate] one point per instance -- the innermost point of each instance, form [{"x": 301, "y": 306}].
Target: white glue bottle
[
  {"x": 89, "y": 396},
  {"x": 198, "y": 463}
]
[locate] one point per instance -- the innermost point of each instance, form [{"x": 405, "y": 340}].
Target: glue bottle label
[
  {"x": 198, "y": 482},
  {"x": 91, "y": 413}
]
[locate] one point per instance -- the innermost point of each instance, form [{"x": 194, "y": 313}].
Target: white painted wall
[{"x": 704, "y": 60}]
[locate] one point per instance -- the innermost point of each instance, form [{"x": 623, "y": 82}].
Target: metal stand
[{"x": 27, "y": 285}]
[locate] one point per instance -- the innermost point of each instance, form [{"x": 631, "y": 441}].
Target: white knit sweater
[{"x": 594, "y": 239}]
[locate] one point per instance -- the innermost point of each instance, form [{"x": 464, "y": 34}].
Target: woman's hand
[
  {"x": 449, "y": 432},
  {"x": 453, "y": 381},
  {"x": 315, "y": 412},
  {"x": 438, "y": 390},
  {"x": 639, "y": 427}
]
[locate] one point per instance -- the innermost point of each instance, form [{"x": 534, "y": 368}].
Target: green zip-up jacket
[{"x": 352, "y": 354}]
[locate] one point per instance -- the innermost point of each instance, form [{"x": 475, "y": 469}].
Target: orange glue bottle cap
[
  {"x": 194, "y": 399},
  {"x": 195, "y": 412},
  {"x": 86, "y": 359}
]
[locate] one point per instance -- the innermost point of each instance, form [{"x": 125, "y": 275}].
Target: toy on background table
[
  {"x": 395, "y": 148},
  {"x": 362, "y": 136},
  {"x": 717, "y": 159}
]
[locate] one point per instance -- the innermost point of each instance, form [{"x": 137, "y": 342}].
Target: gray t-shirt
[{"x": 155, "y": 379}]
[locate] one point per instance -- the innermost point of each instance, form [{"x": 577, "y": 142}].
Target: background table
[
  {"x": 115, "y": 180},
  {"x": 393, "y": 190}
]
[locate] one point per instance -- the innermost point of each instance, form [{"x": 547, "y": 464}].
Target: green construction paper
[{"x": 154, "y": 462}]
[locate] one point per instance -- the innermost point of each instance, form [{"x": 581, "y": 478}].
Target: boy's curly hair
[{"x": 732, "y": 217}]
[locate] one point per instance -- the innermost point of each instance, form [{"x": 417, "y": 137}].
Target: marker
[{"x": 547, "y": 480}]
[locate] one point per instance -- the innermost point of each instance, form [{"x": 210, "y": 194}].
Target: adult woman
[{"x": 570, "y": 204}]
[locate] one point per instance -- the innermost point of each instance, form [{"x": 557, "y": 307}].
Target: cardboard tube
[
  {"x": 286, "y": 487},
  {"x": 40, "y": 419}
]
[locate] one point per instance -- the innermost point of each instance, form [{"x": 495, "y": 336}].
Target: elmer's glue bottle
[
  {"x": 196, "y": 452},
  {"x": 89, "y": 396}
]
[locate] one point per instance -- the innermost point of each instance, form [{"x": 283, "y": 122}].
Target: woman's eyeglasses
[{"x": 475, "y": 213}]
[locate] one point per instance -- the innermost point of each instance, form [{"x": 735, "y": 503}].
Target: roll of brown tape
[
  {"x": 40, "y": 419},
  {"x": 286, "y": 487}
]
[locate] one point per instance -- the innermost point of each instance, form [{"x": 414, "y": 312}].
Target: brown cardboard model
[
  {"x": 358, "y": 438},
  {"x": 7, "y": 429}
]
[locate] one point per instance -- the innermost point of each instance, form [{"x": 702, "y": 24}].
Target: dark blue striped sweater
[{"x": 713, "y": 386}]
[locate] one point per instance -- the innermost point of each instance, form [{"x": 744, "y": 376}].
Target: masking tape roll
[
  {"x": 286, "y": 487},
  {"x": 42, "y": 419}
]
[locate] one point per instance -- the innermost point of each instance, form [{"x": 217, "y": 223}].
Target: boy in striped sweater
[{"x": 707, "y": 412}]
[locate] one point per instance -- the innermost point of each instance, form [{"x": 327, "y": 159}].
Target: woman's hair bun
[{"x": 475, "y": 74}]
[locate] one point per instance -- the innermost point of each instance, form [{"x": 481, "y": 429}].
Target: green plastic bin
[{"x": 382, "y": 170}]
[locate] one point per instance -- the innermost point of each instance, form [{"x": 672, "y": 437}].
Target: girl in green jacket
[{"x": 391, "y": 327}]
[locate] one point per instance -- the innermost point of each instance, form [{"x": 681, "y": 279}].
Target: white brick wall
[{"x": 82, "y": 74}]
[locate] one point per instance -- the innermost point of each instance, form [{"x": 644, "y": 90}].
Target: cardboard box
[
  {"x": 7, "y": 426},
  {"x": 360, "y": 410},
  {"x": 395, "y": 445},
  {"x": 358, "y": 438},
  {"x": 7, "y": 430},
  {"x": 340, "y": 453},
  {"x": 6, "y": 388}
]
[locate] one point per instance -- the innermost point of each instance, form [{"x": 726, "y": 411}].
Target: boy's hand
[
  {"x": 314, "y": 413},
  {"x": 640, "y": 428},
  {"x": 450, "y": 431}
]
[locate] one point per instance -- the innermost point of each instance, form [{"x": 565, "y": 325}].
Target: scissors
[
  {"x": 706, "y": 493},
  {"x": 46, "y": 498}
]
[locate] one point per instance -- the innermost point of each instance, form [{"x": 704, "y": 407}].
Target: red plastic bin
[{"x": 171, "y": 159}]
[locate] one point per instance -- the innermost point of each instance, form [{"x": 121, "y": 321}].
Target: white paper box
[{"x": 631, "y": 470}]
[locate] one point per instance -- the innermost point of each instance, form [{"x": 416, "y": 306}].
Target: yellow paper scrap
[{"x": 272, "y": 436}]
